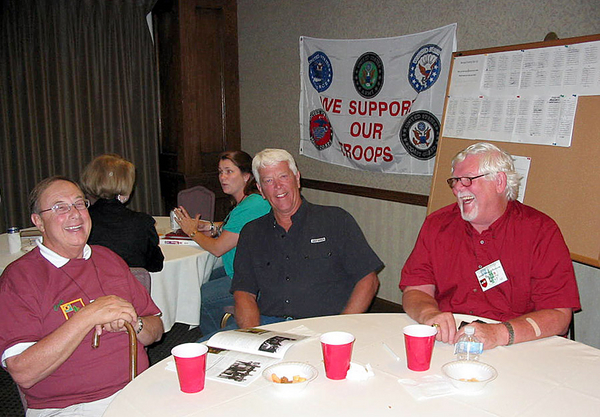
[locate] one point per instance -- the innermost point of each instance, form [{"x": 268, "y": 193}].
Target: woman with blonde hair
[{"x": 108, "y": 181}]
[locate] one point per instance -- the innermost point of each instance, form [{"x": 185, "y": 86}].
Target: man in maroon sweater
[{"x": 56, "y": 297}]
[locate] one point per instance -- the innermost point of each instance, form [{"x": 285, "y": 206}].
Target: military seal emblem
[
  {"x": 321, "y": 133},
  {"x": 368, "y": 75},
  {"x": 425, "y": 67},
  {"x": 320, "y": 71},
  {"x": 420, "y": 134}
]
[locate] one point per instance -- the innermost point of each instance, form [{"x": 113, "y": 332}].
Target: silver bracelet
[
  {"x": 511, "y": 332},
  {"x": 140, "y": 325}
]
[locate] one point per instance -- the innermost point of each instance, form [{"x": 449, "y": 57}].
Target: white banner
[{"x": 375, "y": 104}]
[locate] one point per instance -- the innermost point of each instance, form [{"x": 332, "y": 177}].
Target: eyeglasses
[
  {"x": 64, "y": 208},
  {"x": 465, "y": 181}
]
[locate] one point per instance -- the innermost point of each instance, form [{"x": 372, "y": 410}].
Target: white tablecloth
[
  {"x": 5, "y": 257},
  {"x": 175, "y": 289},
  {"x": 549, "y": 377}
]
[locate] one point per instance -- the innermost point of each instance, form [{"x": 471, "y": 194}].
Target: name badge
[
  {"x": 491, "y": 275},
  {"x": 318, "y": 240}
]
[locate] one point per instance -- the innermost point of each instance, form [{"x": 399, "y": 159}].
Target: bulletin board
[{"x": 563, "y": 182}]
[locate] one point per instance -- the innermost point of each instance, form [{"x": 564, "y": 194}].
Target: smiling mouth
[
  {"x": 73, "y": 228},
  {"x": 281, "y": 195}
]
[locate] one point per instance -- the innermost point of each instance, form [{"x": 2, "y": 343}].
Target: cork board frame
[{"x": 563, "y": 182}]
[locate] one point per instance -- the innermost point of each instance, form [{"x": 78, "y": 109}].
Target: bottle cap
[
  {"x": 13, "y": 230},
  {"x": 470, "y": 330}
]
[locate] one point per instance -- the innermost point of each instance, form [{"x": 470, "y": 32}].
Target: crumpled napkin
[
  {"x": 427, "y": 386},
  {"x": 359, "y": 372},
  {"x": 171, "y": 366}
]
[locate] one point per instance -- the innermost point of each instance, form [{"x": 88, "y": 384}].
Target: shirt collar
[
  {"x": 298, "y": 215},
  {"x": 498, "y": 223},
  {"x": 58, "y": 260}
]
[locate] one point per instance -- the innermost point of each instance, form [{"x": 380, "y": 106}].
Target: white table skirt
[
  {"x": 176, "y": 289},
  {"x": 549, "y": 377}
]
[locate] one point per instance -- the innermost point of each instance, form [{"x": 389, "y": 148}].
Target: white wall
[{"x": 270, "y": 88}]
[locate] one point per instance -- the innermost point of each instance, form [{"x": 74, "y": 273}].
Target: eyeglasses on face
[
  {"x": 64, "y": 208},
  {"x": 465, "y": 181}
]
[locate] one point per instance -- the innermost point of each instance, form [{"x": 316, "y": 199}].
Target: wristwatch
[{"x": 140, "y": 325}]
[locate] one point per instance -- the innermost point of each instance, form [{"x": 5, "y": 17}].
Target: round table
[{"x": 550, "y": 377}]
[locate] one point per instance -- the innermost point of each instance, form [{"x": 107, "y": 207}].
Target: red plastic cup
[
  {"x": 337, "y": 352},
  {"x": 190, "y": 359},
  {"x": 419, "y": 340}
]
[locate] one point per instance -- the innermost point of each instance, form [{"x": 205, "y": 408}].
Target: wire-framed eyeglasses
[
  {"x": 465, "y": 181},
  {"x": 64, "y": 208}
]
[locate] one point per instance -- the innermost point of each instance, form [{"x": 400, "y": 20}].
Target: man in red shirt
[{"x": 490, "y": 256}]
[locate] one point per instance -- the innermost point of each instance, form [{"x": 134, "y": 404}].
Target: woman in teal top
[{"x": 220, "y": 238}]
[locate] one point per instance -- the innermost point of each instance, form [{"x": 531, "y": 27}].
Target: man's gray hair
[
  {"x": 43, "y": 185},
  {"x": 270, "y": 157},
  {"x": 494, "y": 160}
]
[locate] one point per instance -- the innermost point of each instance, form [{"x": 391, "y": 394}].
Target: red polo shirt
[{"x": 529, "y": 245}]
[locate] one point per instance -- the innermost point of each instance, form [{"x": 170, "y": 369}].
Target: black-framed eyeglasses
[
  {"x": 64, "y": 208},
  {"x": 465, "y": 181}
]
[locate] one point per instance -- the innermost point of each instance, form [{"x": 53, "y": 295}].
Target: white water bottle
[
  {"x": 468, "y": 346},
  {"x": 14, "y": 240}
]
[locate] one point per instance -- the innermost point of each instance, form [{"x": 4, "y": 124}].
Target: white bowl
[
  {"x": 289, "y": 370},
  {"x": 469, "y": 376}
]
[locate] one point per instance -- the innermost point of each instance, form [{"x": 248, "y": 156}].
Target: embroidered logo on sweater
[{"x": 71, "y": 307}]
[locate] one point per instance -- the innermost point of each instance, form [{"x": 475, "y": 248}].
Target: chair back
[
  {"x": 143, "y": 276},
  {"x": 198, "y": 200}
]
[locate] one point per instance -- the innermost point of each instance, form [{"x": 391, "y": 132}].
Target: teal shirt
[{"x": 251, "y": 207}]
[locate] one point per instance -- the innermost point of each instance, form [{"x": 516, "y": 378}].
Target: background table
[
  {"x": 549, "y": 377},
  {"x": 5, "y": 257},
  {"x": 176, "y": 289}
]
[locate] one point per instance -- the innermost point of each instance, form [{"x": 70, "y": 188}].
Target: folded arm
[
  {"x": 419, "y": 303},
  {"x": 44, "y": 357},
  {"x": 530, "y": 326}
]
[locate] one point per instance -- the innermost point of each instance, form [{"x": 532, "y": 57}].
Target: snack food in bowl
[
  {"x": 290, "y": 377},
  {"x": 469, "y": 376}
]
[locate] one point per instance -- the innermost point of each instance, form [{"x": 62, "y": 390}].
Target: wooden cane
[{"x": 132, "y": 349}]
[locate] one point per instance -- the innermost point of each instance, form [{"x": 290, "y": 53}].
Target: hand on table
[
  {"x": 491, "y": 335},
  {"x": 446, "y": 326}
]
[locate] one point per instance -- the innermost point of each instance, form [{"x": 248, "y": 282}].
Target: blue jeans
[{"x": 215, "y": 297}]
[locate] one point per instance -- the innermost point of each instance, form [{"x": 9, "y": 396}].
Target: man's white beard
[{"x": 472, "y": 215}]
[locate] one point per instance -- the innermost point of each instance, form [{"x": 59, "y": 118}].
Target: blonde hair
[
  {"x": 493, "y": 161},
  {"x": 108, "y": 176}
]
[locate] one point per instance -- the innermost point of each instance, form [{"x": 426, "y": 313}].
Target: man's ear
[
  {"x": 298, "y": 179},
  {"x": 36, "y": 219},
  {"x": 501, "y": 181},
  {"x": 260, "y": 190}
]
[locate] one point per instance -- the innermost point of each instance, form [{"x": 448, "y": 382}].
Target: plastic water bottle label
[{"x": 473, "y": 348}]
